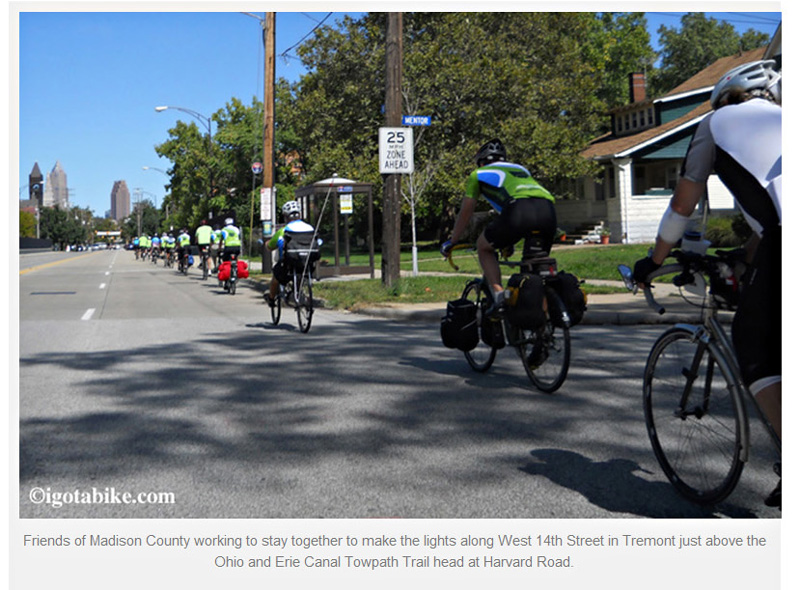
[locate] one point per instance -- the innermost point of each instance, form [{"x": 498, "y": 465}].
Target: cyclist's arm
[
  {"x": 684, "y": 200},
  {"x": 464, "y": 215}
]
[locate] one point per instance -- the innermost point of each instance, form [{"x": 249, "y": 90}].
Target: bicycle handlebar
[{"x": 648, "y": 287}]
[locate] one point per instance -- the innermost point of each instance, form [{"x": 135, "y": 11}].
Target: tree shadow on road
[{"x": 615, "y": 485}]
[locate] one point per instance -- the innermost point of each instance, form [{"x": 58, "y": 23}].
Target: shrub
[{"x": 727, "y": 232}]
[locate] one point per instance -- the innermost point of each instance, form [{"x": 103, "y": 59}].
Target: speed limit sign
[{"x": 396, "y": 150}]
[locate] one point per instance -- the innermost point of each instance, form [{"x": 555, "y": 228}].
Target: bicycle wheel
[
  {"x": 305, "y": 304},
  {"x": 545, "y": 351},
  {"x": 205, "y": 268},
  {"x": 482, "y": 356},
  {"x": 695, "y": 417},
  {"x": 275, "y": 310}
]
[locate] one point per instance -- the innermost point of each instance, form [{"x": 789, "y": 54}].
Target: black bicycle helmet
[{"x": 491, "y": 151}]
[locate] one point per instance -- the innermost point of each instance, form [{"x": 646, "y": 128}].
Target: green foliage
[
  {"x": 65, "y": 227},
  {"x": 727, "y": 232},
  {"x": 622, "y": 45},
  {"x": 698, "y": 43},
  {"x": 27, "y": 224},
  {"x": 540, "y": 81}
]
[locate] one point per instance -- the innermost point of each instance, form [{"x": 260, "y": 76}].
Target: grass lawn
[{"x": 586, "y": 262}]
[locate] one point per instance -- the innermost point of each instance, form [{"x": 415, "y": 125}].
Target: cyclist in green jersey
[
  {"x": 526, "y": 211},
  {"x": 203, "y": 236}
]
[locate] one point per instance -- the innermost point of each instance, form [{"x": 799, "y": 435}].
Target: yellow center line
[{"x": 41, "y": 266}]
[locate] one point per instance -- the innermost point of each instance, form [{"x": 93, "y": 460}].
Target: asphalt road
[{"x": 133, "y": 378}]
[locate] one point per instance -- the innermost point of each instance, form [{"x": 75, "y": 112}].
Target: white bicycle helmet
[
  {"x": 747, "y": 77},
  {"x": 229, "y": 221},
  {"x": 291, "y": 208}
]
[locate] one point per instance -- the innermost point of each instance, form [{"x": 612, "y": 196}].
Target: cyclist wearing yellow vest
[
  {"x": 203, "y": 235},
  {"x": 231, "y": 240}
]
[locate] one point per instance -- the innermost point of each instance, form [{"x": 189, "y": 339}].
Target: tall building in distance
[
  {"x": 56, "y": 193},
  {"x": 120, "y": 200},
  {"x": 35, "y": 182}
]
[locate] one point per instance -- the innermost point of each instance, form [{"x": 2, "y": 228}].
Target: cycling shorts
[
  {"x": 756, "y": 328},
  {"x": 523, "y": 219},
  {"x": 230, "y": 251},
  {"x": 282, "y": 272}
]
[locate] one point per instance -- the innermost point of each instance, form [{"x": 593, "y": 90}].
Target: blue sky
[{"x": 89, "y": 84}]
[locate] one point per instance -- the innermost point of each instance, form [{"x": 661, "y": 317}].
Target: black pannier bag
[
  {"x": 300, "y": 247},
  {"x": 569, "y": 290},
  {"x": 524, "y": 307},
  {"x": 492, "y": 332},
  {"x": 459, "y": 328}
]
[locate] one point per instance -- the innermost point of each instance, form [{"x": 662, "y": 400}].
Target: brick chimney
[{"x": 637, "y": 86}]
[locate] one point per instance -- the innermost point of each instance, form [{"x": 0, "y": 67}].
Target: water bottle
[{"x": 694, "y": 242}]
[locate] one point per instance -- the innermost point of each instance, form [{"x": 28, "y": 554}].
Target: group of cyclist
[
  {"x": 740, "y": 141},
  {"x": 215, "y": 245}
]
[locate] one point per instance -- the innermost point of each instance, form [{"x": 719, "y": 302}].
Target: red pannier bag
[
  {"x": 242, "y": 270},
  {"x": 224, "y": 272}
]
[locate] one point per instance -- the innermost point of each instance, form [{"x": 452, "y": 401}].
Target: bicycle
[
  {"x": 297, "y": 292},
  {"x": 693, "y": 393},
  {"x": 544, "y": 351},
  {"x": 229, "y": 284},
  {"x": 204, "y": 260}
]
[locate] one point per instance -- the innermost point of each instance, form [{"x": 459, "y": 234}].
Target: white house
[{"x": 641, "y": 157}]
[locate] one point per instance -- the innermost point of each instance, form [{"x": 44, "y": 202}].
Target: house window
[
  {"x": 656, "y": 178},
  {"x": 627, "y": 121},
  {"x": 641, "y": 118},
  {"x": 650, "y": 116}
]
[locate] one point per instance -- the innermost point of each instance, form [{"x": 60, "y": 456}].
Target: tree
[
  {"x": 696, "y": 45},
  {"x": 529, "y": 78},
  {"x": 27, "y": 224},
  {"x": 620, "y": 46},
  {"x": 65, "y": 227}
]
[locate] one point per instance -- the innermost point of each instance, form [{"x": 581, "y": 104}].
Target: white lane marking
[
  {"x": 102, "y": 285},
  {"x": 88, "y": 314}
]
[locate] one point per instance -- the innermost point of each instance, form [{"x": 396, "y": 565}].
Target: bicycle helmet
[
  {"x": 291, "y": 209},
  {"x": 491, "y": 151},
  {"x": 229, "y": 221},
  {"x": 747, "y": 77}
]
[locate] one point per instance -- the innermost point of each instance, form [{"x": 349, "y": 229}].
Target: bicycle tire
[
  {"x": 205, "y": 268},
  {"x": 545, "y": 352},
  {"x": 305, "y": 304},
  {"x": 234, "y": 275},
  {"x": 482, "y": 356},
  {"x": 698, "y": 442},
  {"x": 275, "y": 310}
]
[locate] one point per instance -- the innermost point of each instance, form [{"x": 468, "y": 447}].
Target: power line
[
  {"x": 748, "y": 17},
  {"x": 283, "y": 54}
]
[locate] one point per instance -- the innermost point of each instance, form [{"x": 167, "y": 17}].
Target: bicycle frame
[{"x": 712, "y": 334}]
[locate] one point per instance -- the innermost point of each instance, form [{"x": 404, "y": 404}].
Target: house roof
[
  {"x": 609, "y": 145},
  {"x": 711, "y": 75}
]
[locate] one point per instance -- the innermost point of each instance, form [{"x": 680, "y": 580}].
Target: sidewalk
[{"x": 615, "y": 309}]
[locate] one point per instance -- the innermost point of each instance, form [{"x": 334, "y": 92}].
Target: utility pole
[
  {"x": 390, "y": 247},
  {"x": 268, "y": 210}
]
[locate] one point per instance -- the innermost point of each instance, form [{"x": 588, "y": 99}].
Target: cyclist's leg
[{"x": 756, "y": 328}]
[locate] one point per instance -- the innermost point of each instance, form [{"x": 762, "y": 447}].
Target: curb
[{"x": 625, "y": 310}]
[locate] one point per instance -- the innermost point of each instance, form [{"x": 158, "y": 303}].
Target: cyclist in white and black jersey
[{"x": 741, "y": 142}]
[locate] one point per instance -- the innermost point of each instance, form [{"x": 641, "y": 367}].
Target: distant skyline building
[
  {"x": 120, "y": 200},
  {"x": 36, "y": 185},
  {"x": 56, "y": 192}
]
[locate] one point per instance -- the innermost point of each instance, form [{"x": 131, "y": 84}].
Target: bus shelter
[{"x": 340, "y": 194}]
